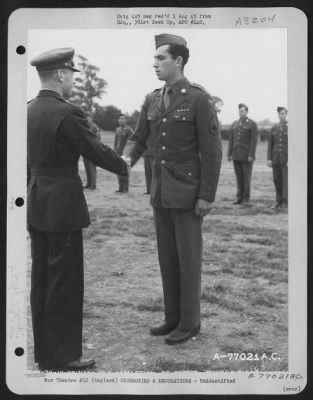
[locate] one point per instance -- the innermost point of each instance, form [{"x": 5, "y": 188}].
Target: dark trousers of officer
[
  {"x": 148, "y": 171},
  {"x": 280, "y": 177},
  {"x": 179, "y": 240},
  {"x": 91, "y": 174},
  {"x": 243, "y": 171},
  {"x": 57, "y": 290}
]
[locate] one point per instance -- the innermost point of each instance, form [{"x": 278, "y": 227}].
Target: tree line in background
[{"x": 89, "y": 87}]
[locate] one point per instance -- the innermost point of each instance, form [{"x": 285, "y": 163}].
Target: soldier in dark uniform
[
  {"x": 90, "y": 167},
  {"x": 58, "y": 134},
  {"x": 123, "y": 133},
  {"x": 241, "y": 150},
  {"x": 180, "y": 126},
  {"x": 277, "y": 156}
]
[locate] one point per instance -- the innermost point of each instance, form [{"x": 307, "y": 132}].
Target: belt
[{"x": 58, "y": 171}]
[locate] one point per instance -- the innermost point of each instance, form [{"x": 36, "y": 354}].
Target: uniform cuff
[{"x": 124, "y": 170}]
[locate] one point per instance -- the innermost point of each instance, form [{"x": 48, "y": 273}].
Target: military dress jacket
[
  {"x": 57, "y": 134},
  {"x": 185, "y": 144},
  {"x": 122, "y": 135},
  {"x": 243, "y": 140},
  {"x": 278, "y": 144}
]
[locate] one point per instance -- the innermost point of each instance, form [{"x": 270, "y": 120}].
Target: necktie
[{"x": 167, "y": 97}]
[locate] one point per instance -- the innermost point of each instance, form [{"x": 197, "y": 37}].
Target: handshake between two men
[
  {"x": 180, "y": 121},
  {"x": 202, "y": 207}
]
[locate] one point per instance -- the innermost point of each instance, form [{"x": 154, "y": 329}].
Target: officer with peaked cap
[
  {"x": 277, "y": 158},
  {"x": 57, "y": 134},
  {"x": 241, "y": 150},
  {"x": 179, "y": 125}
]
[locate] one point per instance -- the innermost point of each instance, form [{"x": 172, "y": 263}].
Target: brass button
[
  {"x": 163, "y": 162},
  {"x": 163, "y": 133},
  {"x": 164, "y": 119},
  {"x": 163, "y": 147}
]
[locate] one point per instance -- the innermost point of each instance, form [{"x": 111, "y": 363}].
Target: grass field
[{"x": 244, "y": 281}]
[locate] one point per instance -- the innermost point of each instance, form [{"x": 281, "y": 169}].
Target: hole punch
[
  {"x": 19, "y": 202},
  {"x": 19, "y": 351},
  {"x": 20, "y": 50}
]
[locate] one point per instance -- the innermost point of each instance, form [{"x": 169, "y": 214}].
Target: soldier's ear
[
  {"x": 179, "y": 61},
  {"x": 60, "y": 75}
]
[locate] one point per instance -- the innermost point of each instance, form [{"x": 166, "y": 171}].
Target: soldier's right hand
[
  {"x": 230, "y": 158},
  {"x": 127, "y": 160},
  {"x": 269, "y": 163}
]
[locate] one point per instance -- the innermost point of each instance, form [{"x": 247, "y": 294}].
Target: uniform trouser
[
  {"x": 179, "y": 240},
  {"x": 148, "y": 171},
  {"x": 280, "y": 177},
  {"x": 91, "y": 173},
  {"x": 123, "y": 183},
  {"x": 57, "y": 290},
  {"x": 243, "y": 171}
]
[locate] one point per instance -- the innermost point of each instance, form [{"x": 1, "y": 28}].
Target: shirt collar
[
  {"x": 181, "y": 86},
  {"x": 48, "y": 92}
]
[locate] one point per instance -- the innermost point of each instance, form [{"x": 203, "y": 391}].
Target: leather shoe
[
  {"x": 237, "y": 202},
  {"x": 276, "y": 206},
  {"x": 163, "y": 329},
  {"x": 179, "y": 335},
  {"x": 77, "y": 365}
]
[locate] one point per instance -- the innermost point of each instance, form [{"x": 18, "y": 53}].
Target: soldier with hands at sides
[
  {"x": 241, "y": 150},
  {"x": 277, "y": 158},
  {"x": 179, "y": 125}
]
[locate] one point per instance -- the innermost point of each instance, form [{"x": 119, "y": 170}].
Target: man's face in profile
[
  {"x": 68, "y": 82},
  {"x": 165, "y": 66}
]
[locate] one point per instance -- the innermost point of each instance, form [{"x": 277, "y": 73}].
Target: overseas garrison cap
[
  {"x": 167, "y": 38},
  {"x": 279, "y": 109},
  {"x": 55, "y": 59},
  {"x": 240, "y": 105}
]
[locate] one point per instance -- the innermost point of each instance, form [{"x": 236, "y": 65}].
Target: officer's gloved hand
[
  {"x": 269, "y": 163},
  {"x": 203, "y": 207},
  {"x": 230, "y": 158},
  {"x": 250, "y": 159}
]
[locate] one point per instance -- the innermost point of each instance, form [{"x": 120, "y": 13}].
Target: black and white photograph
[{"x": 162, "y": 239}]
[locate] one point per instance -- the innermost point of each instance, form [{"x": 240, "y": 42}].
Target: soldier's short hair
[
  {"x": 279, "y": 109},
  {"x": 177, "y": 50},
  {"x": 47, "y": 75},
  {"x": 242, "y": 105}
]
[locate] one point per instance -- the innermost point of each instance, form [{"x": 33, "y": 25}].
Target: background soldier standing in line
[
  {"x": 241, "y": 149},
  {"x": 123, "y": 132},
  {"x": 180, "y": 124},
  {"x": 90, "y": 168},
  {"x": 57, "y": 135},
  {"x": 277, "y": 156}
]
